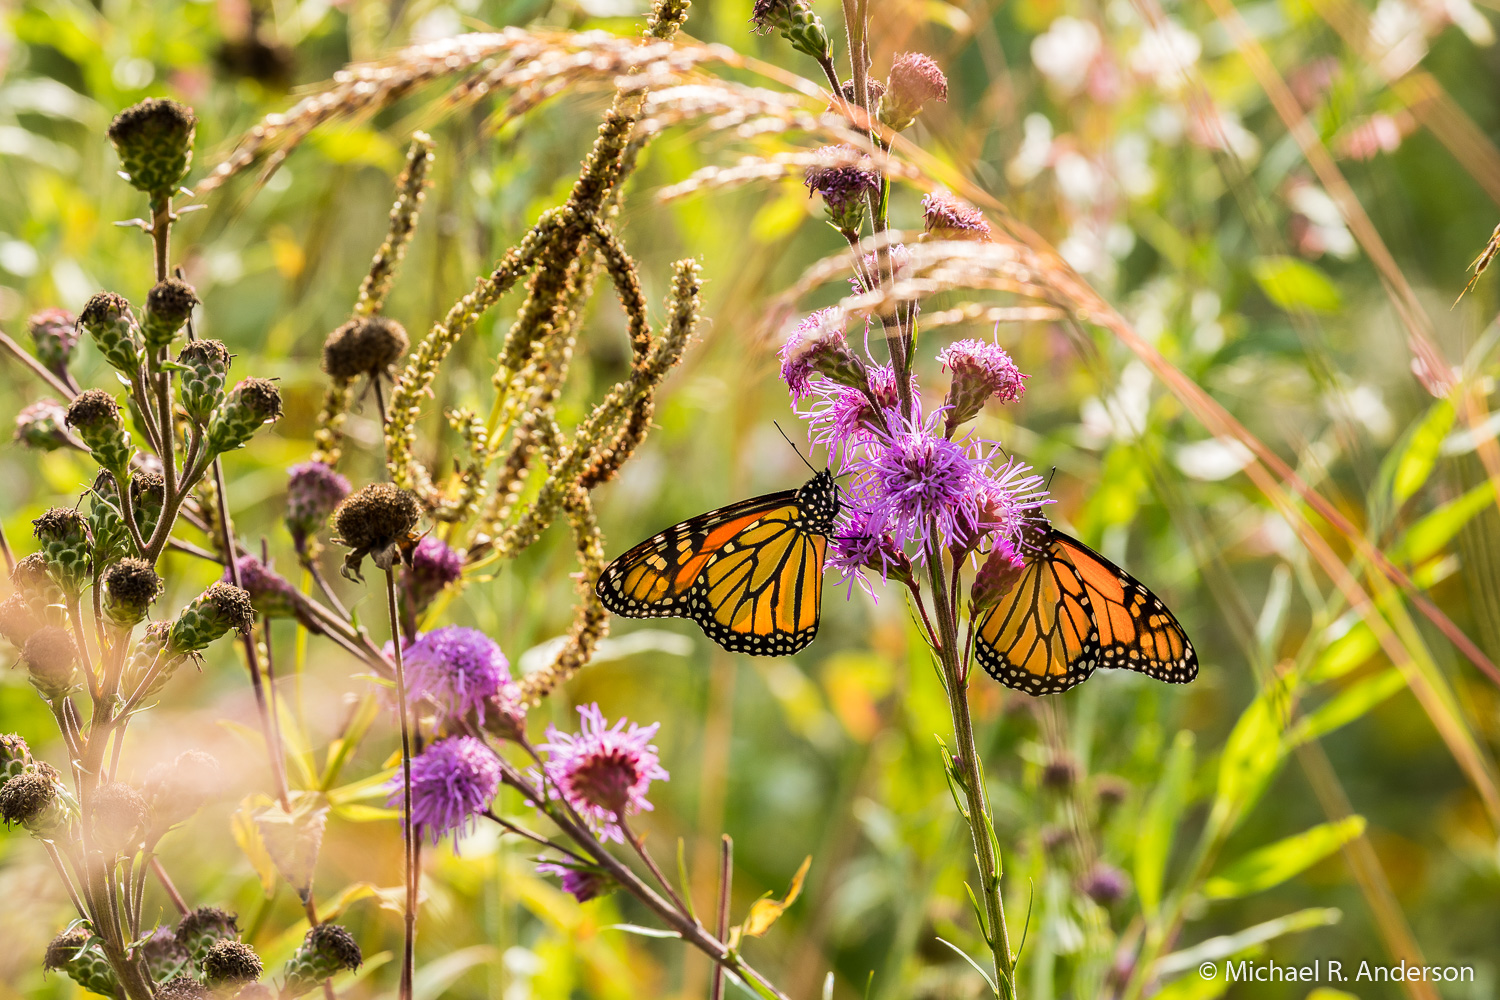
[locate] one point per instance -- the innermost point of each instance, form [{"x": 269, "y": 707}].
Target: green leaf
[
  {"x": 1428, "y": 536},
  {"x": 1296, "y": 285},
  {"x": 1413, "y": 458},
  {"x": 1274, "y": 864},
  {"x": 1153, "y": 843},
  {"x": 1346, "y": 706},
  {"x": 1345, "y": 653},
  {"x": 1250, "y": 757},
  {"x": 1225, "y": 946},
  {"x": 637, "y": 929},
  {"x": 977, "y": 967}
]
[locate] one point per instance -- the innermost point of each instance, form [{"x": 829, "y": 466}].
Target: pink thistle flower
[
  {"x": 457, "y": 669},
  {"x": 603, "y": 772},
  {"x": 981, "y": 371},
  {"x": 948, "y": 218},
  {"x": 863, "y": 545},
  {"x": 453, "y": 782},
  {"x": 819, "y": 347},
  {"x": 917, "y": 482}
]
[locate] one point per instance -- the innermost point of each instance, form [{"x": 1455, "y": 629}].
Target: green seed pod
[
  {"x": 797, "y": 23},
  {"x": 163, "y": 954},
  {"x": 108, "y": 320},
  {"x": 51, "y": 661},
  {"x": 231, "y": 963},
  {"x": 80, "y": 954},
  {"x": 130, "y": 588},
  {"x": 327, "y": 950},
  {"x": 218, "y": 609},
  {"x": 202, "y": 388},
  {"x": 95, "y": 415},
  {"x": 106, "y": 523},
  {"x": 252, "y": 403},
  {"x": 42, "y": 426},
  {"x": 148, "y": 649},
  {"x": 148, "y": 494},
  {"x": 205, "y": 927},
  {"x": 168, "y": 306},
  {"x": 155, "y": 141},
  {"x": 64, "y": 534}
]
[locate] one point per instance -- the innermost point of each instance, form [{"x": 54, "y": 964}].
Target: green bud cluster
[
  {"x": 327, "y": 950},
  {"x": 80, "y": 954},
  {"x": 202, "y": 385},
  {"x": 218, "y": 609},
  {"x": 148, "y": 495},
  {"x": 168, "y": 306},
  {"x": 67, "y": 547},
  {"x": 108, "y": 320},
  {"x": 155, "y": 142},
  {"x": 37, "y": 800},
  {"x": 106, "y": 523},
  {"x": 205, "y": 927},
  {"x": 251, "y": 404},
  {"x": 143, "y": 657},
  {"x": 95, "y": 415},
  {"x": 797, "y": 23}
]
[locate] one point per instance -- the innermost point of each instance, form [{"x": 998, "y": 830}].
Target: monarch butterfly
[
  {"x": 1072, "y": 611},
  {"x": 750, "y": 574}
]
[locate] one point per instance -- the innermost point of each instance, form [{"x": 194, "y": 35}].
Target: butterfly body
[
  {"x": 750, "y": 574},
  {"x": 1072, "y": 612}
]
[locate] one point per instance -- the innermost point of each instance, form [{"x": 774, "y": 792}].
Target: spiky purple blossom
[
  {"x": 452, "y": 782},
  {"x": 948, "y": 218},
  {"x": 841, "y": 418},
  {"x": 844, "y": 180},
  {"x": 861, "y": 545},
  {"x": 981, "y": 371},
  {"x": 457, "y": 669},
  {"x": 582, "y": 883},
  {"x": 433, "y": 566},
  {"x": 1105, "y": 884},
  {"x": 818, "y": 346},
  {"x": 313, "y": 491},
  {"x": 604, "y": 771},
  {"x": 917, "y": 482}
]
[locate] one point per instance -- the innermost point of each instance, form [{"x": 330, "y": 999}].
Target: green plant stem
[
  {"x": 161, "y": 233},
  {"x": 980, "y": 823},
  {"x": 408, "y": 951}
]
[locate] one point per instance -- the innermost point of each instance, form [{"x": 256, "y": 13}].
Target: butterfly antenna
[
  {"x": 1049, "y": 478},
  {"x": 794, "y": 447}
]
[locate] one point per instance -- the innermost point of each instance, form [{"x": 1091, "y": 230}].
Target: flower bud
[
  {"x": 915, "y": 79},
  {"x": 155, "y": 142},
  {"x": 163, "y": 954},
  {"x": 366, "y": 345},
  {"x": 150, "y": 652},
  {"x": 819, "y": 346},
  {"x": 33, "y": 582},
  {"x": 177, "y": 790},
  {"x": 131, "y": 586},
  {"x": 796, "y": 22},
  {"x": 108, "y": 320},
  {"x": 433, "y": 567},
  {"x": 582, "y": 882},
  {"x": 379, "y": 521},
  {"x": 205, "y": 927},
  {"x": 95, "y": 415},
  {"x": 218, "y": 609},
  {"x": 252, "y": 403},
  {"x": 17, "y": 623},
  {"x": 168, "y": 306},
  {"x": 230, "y": 963},
  {"x": 80, "y": 954},
  {"x": 64, "y": 534},
  {"x": 947, "y": 218},
  {"x": 42, "y": 426},
  {"x": 148, "y": 495},
  {"x": 997, "y": 576},
  {"x": 1105, "y": 884},
  {"x": 326, "y": 950},
  {"x": 844, "y": 178},
  {"x": 54, "y": 332},
  {"x": 117, "y": 818},
  {"x": 51, "y": 661},
  {"x": 981, "y": 371},
  {"x": 202, "y": 387},
  {"x": 1055, "y": 838},
  {"x": 270, "y": 593},
  {"x": 37, "y": 800},
  {"x": 1059, "y": 773},
  {"x": 1111, "y": 790},
  {"x": 313, "y": 492}
]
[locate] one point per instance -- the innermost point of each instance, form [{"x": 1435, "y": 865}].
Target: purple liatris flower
[
  {"x": 862, "y": 544},
  {"x": 1005, "y": 497},
  {"x": 844, "y": 178},
  {"x": 981, "y": 371},
  {"x": 819, "y": 347},
  {"x": 997, "y": 576},
  {"x": 313, "y": 491},
  {"x": 452, "y": 782},
  {"x": 582, "y": 882},
  {"x": 603, "y": 772},
  {"x": 948, "y": 218},
  {"x": 457, "y": 669},
  {"x": 918, "y": 483},
  {"x": 840, "y": 417},
  {"x": 433, "y": 566}
]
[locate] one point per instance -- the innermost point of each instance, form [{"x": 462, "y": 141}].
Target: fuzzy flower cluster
[
  {"x": 452, "y": 784},
  {"x": 458, "y": 670},
  {"x": 604, "y": 771},
  {"x": 918, "y": 489}
]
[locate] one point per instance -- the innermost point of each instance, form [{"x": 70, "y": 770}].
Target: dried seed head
[
  {"x": 204, "y": 927},
  {"x": 110, "y": 323},
  {"x": 51, "y": 661},
  {"x": 34, "y": 582},
  {"x": 155, "y": 141},
  {"x": 55, "y": 334},
  {"x": 25, "y": 799},
  {"x": 78, "y": 953},
  {"x": 41, "y": 425},
  {"x": 327, "y": 950},
  {"x": 218, "y": 609},
  {"x": 176, "y": 790},
  {"x": 915, "y": 79},
  {"x": 366, "y": 345},
  {"x": 61, "y": 949},
  {"x": 231, "y": 962},
  {"x": 168, "y": 306},
  {"x": 378, "y": 521},
  {"x": 95, "y": 415},
  {"x": 250, "y": 404},
  {"x": 64, "y": 534},
  {"x": 183, "y": 988},
  {"x": 130, "y": 588},
  {"x": 94, "y": 408},
  {"x": 17, "y": 623},
  {"x": 117, "y": 818}
]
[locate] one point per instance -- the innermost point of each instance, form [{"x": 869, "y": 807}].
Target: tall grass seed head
[
  {"x": 154, "y": 140},
  {"x": 200, "y": 929},
  {"x": 434, "y": 566},
  {"x": 453, "y": 781},
  {"x": 947, "y": 218},
  {"x": 95, "y": 415},
  {"x": 379, "y": 521},
  {"x": 131, "y": 586},
  {"x": 51, "y": 660},
  {"x": 915, "y": 79},
  {"x": 603, "y": 772},
  {"x": 326, "y": 950},
  {"x": 54, "y": 334},
  {"x": 117, "y": 817},
  {"x": 228, "y": 963},
  {"x": 252, "y": 403},
  {"x": 201, "y": 388},
  {"x": 314, "y": 490},
  {"x": 366, "y": 345},
  {"x": 819, "y": 346},
  {"x": 796, "y": 22},
  {"x": 163, "y": 954},
  {"x": 67, "y": 547},
  {"x": 176, "y": 790},
  {"x": 108, "y": 321},
  {"x": 80, "y": 954},
  {"x": 844, "y": 181},
  {"x": 168, "y": 306},
  {"x": 42, "y": 426},
  {"x": 221, "y": 607},
  {"x": 981, "y": 371},
  {"x": 457, "y": 669}
]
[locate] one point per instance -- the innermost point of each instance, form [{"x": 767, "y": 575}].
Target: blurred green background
[{"x": 1234, "y": 262}]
